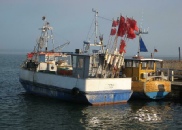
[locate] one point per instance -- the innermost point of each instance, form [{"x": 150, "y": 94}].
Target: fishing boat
[
  {"x": 148, "y": 81},
  {"x": 83, "y": 76}
]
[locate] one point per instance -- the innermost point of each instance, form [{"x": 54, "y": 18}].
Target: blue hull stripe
[
  {"x": 149, "y": 95},
  {"x": 93, "y": 98},
  {"x": 156, "y": 95}
]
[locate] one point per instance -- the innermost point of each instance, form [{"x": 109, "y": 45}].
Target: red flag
[
  {"x": 113, "y": 31},
  {"x": 122, "y": 27},
  {"x": 130, "y": 28},
  {"x": 132, "y": 23},
  {"x": 136, "y": 28},
  {"x": 122, "y": 47},
  {"x": 130, "y": 33},
  {"x": 114, "y": 23},
  {"x": 128, "y": 21},
  {"x": 29, "y": 55}
]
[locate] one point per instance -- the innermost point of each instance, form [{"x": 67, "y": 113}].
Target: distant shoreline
[{"x": 172, "y": 64}]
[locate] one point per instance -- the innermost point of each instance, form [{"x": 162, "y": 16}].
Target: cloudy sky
[{"x": 71, "y": 20}]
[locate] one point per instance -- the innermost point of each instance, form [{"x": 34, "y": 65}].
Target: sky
[{"x": 71, "y": 20}]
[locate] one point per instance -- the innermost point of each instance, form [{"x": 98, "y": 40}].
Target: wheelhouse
[{"x": 140, "y": 69}]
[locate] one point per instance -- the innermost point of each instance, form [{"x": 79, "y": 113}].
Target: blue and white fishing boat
[{"x": 78, "y": 77}]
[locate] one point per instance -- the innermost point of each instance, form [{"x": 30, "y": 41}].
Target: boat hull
[
  {"x": 150, "y": 89},
  {"x": 103, "y": 91},
  {"x": 149, "y": 95}
]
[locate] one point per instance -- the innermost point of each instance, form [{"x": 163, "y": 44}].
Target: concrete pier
[
  {"x": 173, "y": 69},
  {"x": 176, "y": 90}
]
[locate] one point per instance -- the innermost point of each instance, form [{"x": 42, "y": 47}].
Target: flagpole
[
  {"x": 139, "y": 34},
  {"x": 155, "y": 50},
  {"x": 139, "y": 46},
  {"x": 152, "y": 55},
  {"x": 179, "y": 54}
]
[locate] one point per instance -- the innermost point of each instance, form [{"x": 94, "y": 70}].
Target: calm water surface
[{"x": 21, "y": 111}]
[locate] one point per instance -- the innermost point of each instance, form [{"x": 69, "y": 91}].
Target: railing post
[{"x": 172, "y": 75}]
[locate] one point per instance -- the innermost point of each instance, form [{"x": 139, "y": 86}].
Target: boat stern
[{"x": 157, "y": 89}]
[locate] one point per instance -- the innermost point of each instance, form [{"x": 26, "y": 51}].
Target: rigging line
[
  {"x": 105, "y": 18},
  {"x": 61, "y": 36},
  {"x": 90, "y": 29},
  {"x": 99, "y": 30},
  {"x": 109, "y": 42}
]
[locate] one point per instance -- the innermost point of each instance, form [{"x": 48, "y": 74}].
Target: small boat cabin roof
[{"x": 144, "y": 59}]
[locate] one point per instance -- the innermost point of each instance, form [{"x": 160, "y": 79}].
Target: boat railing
[
  {"x": 159, "y": 77},
  {"x": 172, "y": 73}
]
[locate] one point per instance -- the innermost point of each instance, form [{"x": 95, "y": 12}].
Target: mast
[
  {"x": 44, "y": 38},
  {"x": 87, "y": 44},
  {"x": 96, "y": 25},
  {"x": 42, "y": 41}
]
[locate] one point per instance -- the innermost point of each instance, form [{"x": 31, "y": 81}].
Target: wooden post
[{"x": 179, "y": 54}]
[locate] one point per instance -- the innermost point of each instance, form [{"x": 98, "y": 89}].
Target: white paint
[{"x": 86, "y": 85}]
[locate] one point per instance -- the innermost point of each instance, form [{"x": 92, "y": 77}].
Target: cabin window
[
  {"x": 129, "y": 64},
  {"x": 66, "y": 60},
  {"x": 144, "y": 65},
  {"x": 159, "y": 64},
  {"x": 151, "y": 65},
  {"x": 74, "y": 61},
  {"x": 135, "y": 63},
  {"x": 50, "y": 58},
  {"x": 80, "y": 62},
  {"x": 42, "y": 58}
]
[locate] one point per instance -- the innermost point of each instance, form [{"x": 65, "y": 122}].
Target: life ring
[
  {"x": 52, "y": 67},
  {"x": 75, "y": 91}
]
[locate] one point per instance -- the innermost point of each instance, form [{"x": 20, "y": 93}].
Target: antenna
[
  {"x": 96, "y": 24},
  {"x": 141, "y": 31},
  {"x": 140, "y": 28}
]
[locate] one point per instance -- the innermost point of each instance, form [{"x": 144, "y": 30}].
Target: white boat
[{"x": 80, "y": 77}]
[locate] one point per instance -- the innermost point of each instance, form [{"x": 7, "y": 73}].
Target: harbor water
[{"x": 22, "y": 111}]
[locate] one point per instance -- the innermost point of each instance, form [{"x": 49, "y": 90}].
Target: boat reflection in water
[
  {"x": 134, "y": 115},
  {"x": 151, "y": 112},
  {"x": 105, "y": 117}
]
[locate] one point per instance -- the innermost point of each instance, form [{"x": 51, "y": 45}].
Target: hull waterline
[
  {"x": 76, "y": 96},
  {"x": 149, "y": 95}
]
